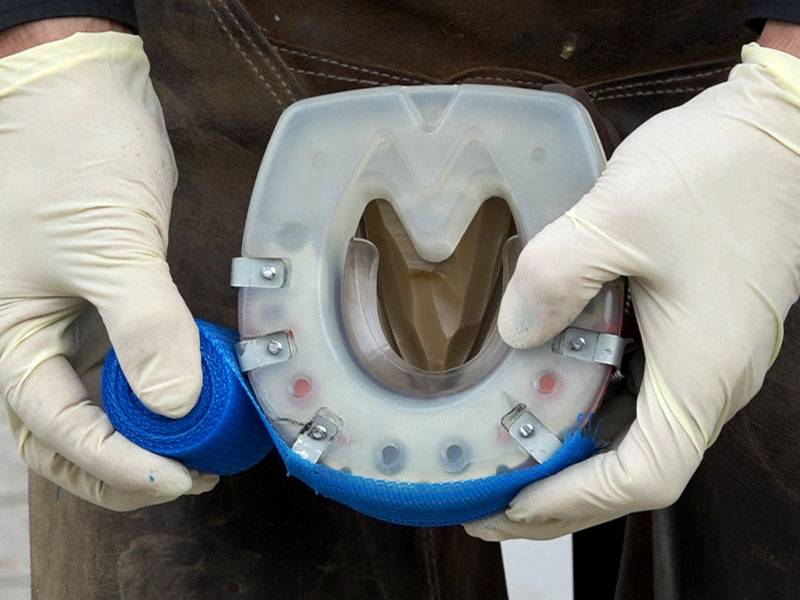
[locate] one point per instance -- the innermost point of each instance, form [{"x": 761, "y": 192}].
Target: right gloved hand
[
  {"x": 699, "y": 209},
  {"x": 85, "y": 191}
]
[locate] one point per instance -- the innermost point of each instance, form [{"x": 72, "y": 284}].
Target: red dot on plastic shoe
[
  {"x": 547, "y": 382},
  {"x": 301, "y": 387}
]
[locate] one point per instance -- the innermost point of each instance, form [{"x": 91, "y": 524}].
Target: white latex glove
[
  {"x": 700, "y": 208},
  {"x": 86, "y": 182}
]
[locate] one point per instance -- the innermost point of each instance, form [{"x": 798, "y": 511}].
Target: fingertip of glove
[
  {"x": 170, "y": 480},
  {"x": 202, "y": 483},
  {"x": 158, "y": 348},
  {"x": 176, "y": 397},
  {"x": 171, "y": 381},
  {"x": 482, "y": 530},
  {"x": 475, "y": 530},
  {"x": 519, "y": 514},
  {"x": 516, "y": 321}
]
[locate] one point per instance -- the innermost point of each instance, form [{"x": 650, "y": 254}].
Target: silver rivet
[
  {"x": 526, "y": 430},
  {"x": 577, "y": 343},
  {"x": 318, "y": 432},
  {"x": 269, "y": 272},
  {"x": 274, "y": 347}
]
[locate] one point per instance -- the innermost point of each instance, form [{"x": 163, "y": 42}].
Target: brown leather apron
[{"x": 224, "y": 71}]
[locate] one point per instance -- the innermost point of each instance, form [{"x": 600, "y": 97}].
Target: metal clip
[
  {"x": 258, "y": 272},
  {"x": 317, "y": 435},
  {"x": 259, "y": 352},
  {"x": 590, "y": 346},
  {"x": 530, "y": 433}
]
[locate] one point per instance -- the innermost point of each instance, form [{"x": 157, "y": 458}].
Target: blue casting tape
[
  {"x": 221, "y": 435},
  {"x": 429, "y": 504}
]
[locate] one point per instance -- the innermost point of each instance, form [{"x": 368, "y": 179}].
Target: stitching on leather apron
[
  {"x": 672, "y": 79},
  {"x": 344, "y": 65},
  {"x": 260, "y": 52},
  {"x": 537, "y": 84},
  {"x": 642, "y": 93},
  {"x": 596, "y": 93},
  {"x": 244, "y": 55},
  {"x": 337, "y": 77}
]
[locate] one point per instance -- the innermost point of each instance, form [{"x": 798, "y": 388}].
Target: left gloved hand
[
  {"x": 86, "y": 181},
  {"x": 700, "y": 208}
]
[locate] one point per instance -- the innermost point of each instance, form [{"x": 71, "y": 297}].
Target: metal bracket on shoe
[
  {"x": 258, "y": 272},
  {"x": 590, "y": 346},
  {"x": 317, "y": 435},
  {"x": 263, "y": 351},
  {"x": 530, "y": 433}
]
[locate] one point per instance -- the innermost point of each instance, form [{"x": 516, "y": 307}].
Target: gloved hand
[
  {"x": 86, "y": 182},
  {"x": 700, "y": 208}
]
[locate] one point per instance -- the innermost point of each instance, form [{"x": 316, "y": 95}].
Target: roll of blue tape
[{"x": 222, "y": 434}]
